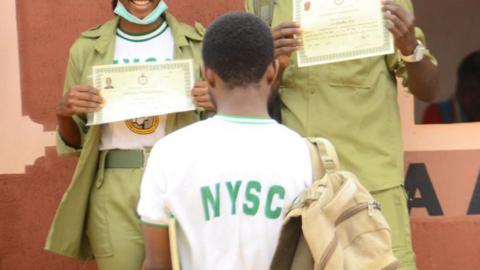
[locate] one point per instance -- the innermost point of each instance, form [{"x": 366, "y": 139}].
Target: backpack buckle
[
  {"x": 328, "y": 163},
  {"x": 312, "y": 195}
]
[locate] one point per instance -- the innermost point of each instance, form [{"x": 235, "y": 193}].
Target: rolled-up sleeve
[{"x": 72, "y": 77}]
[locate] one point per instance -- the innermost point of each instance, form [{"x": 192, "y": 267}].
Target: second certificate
[
  {"x": 340, "y": 30},
  {"x": 140, "y": 90}
]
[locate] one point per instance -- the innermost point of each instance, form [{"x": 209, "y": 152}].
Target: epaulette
[
  {"x": 93, "y": 32},
  {"x": 195, "y": 33},
  {"x": 108, "y": 28},
  {"x": 200, "y": 29}
]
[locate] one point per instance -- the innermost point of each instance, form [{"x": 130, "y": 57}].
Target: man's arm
[
  {"x": 157, "y": 248},
  {"x": 423, "y": 79},
  {"x": 423, "y": 75},
  {"x": 153, "y": 211}
]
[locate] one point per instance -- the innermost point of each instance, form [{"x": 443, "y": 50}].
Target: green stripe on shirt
[{"x": 133, "y": 37}]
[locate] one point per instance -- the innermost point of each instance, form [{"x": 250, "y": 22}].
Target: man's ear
[
  {"x": 272, "y": 72},
  {"x": 209, "y": 76}
]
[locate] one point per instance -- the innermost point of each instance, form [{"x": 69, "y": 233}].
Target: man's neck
[{"x": 243, "y": 102}]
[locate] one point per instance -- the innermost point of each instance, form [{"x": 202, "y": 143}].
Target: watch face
[{"x": 419, "y": 52}]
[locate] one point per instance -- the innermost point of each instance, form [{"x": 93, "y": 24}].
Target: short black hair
[
  {"x": 238, "y": 46},
  {"x": 470, "y": 65}
]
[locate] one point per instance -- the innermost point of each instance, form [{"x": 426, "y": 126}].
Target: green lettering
[
  {"x": 252, "y": 198},
  {"x": 210, "y": 201},
  {"x": 233, "y": 192},
  {"x": 127, "y": 61},
  {"x": 280, "y": 192},
  {"x": 151, "y": 60}
]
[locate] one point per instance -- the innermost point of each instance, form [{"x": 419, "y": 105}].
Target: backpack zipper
[
  {"x": 369, "y": 206},
  {"x": 328, "y": 253},
  {"x": 372, "y": 206}
]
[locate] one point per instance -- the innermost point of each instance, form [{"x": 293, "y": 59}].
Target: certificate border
[
  {"x": 304, "y": 61},
  {"x": 99, "y": 71}
]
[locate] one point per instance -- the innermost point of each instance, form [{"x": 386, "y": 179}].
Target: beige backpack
[{"x": 335, "y": 224}]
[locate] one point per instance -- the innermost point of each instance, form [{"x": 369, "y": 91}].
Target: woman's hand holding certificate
[
  {"x": 140, "y": 90},
  {"x": 78, "y": 100}
]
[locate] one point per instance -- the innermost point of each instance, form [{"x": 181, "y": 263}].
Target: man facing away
[
  {"x": 228, "y": 186},
  {"x": 354, "y": 105}
]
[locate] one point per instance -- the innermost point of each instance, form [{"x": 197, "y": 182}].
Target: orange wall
[
  {"x": 35, "y": 40},
  {"x": 32, "y": 177}
]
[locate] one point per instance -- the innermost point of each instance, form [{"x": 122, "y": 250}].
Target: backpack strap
[
  {"x": 325, "y": 165},
  {"x": 264, "y": 10},
  {"x": 323, "y": 155},
  {"x": 324, "y": 160}
]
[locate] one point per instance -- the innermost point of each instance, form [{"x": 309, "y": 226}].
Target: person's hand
[
  {"x": 79, "y": 99},
  {"x": 401, "y": 24},
  {"x": 285, "y": 42},
  {"x": 201, "y": 97}
]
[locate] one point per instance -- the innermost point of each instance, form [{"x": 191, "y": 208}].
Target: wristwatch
[{"x": 417, "y": 55}]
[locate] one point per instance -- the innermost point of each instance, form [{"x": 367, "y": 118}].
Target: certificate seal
[
  {"x": 142, "y": 80},
  {"x": 143, "y": 125}
]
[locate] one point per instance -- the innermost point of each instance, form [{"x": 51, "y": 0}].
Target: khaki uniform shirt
[
  {"x": 353, "y": 104},
  {"x": 96, "y": 47}
]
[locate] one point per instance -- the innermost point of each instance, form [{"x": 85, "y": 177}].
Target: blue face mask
[{"x": 121, "y": 11}]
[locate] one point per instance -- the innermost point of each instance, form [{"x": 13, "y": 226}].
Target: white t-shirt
[
  {"x": 156, "y": 46},
  {"x": 227, "y": 181}
]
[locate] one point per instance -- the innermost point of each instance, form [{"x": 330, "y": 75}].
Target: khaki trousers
[
  {"x": 394, "y": 207},
  {"x": 113, "y": 226}
]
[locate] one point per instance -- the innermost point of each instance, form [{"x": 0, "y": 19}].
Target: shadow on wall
[{"x": 28, "y": 204}]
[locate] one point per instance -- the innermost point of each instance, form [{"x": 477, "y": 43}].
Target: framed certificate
[
  {"x": 140, "y": 90},
  {"x": 341, "y": 30}
]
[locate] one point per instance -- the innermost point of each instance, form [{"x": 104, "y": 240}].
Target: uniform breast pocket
[{"x": 357, "y": 74}]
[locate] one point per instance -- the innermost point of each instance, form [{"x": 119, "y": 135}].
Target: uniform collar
[{"x": 182, "y": 33}]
